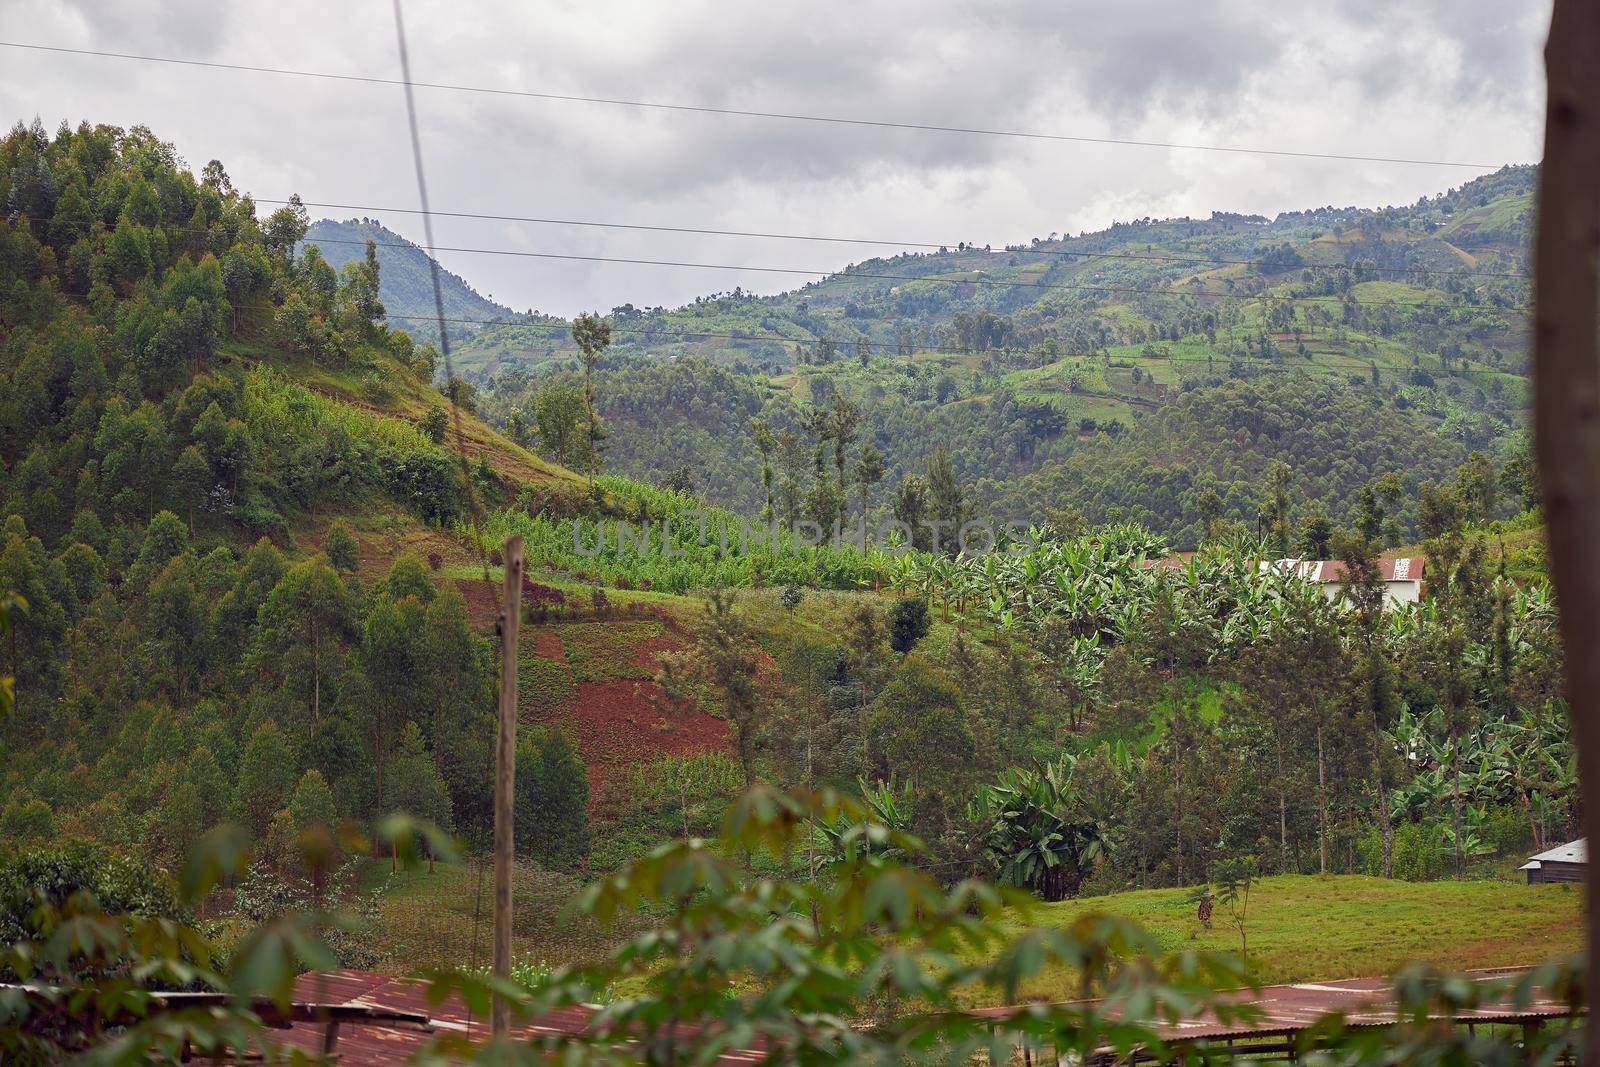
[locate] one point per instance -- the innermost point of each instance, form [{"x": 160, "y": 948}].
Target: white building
[{"x": 1402, "y": 578}]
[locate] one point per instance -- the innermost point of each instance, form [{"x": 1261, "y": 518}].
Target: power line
[
  {"x": 438, "y": 289},
  {"x": 836, "y": 120},
  {"x": 1068, "y": 254},
  {"x": 934, "y": 278}
]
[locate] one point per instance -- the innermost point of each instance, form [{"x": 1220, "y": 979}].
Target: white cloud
[{"x": 1428, "y": 80}]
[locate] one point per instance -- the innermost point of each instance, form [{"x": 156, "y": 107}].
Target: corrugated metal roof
[
  {"x": 1279, "y": 1010},
  {"x": 1288, "y": 1009},
  {"x": 1571, "y": 852},
  {"x": 366, "y": 1045}
]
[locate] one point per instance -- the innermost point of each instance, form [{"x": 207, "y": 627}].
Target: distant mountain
[
  {"x": 404, "y": 282},
  {"x": 1185, "y": 283}
]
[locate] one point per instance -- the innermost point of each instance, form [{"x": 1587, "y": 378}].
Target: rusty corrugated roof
[
  {"x": 1279, "y": 1010},
  {"x": 1287, "y": 1009}
]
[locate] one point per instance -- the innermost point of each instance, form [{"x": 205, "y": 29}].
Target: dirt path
[{"x": 547, "y": 644}]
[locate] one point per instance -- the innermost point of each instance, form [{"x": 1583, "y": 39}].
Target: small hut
[{"x": 1564, "y": 863}]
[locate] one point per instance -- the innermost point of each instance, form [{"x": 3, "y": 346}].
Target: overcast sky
[{"x": 1447, "y": 79}]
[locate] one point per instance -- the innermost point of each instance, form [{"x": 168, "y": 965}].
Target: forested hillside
[
  {"x": 226, "y": 487},
  {"x": 1024, "y": 363}
]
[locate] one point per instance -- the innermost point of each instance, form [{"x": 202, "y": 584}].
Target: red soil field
[
  {"x": 644, "y": 653},
  {"x": 616, "y": 726}
]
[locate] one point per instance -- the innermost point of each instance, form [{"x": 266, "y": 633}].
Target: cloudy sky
[{"x": 1431, "y": 79}]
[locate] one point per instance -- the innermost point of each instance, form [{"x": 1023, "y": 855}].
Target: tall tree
[
  {"x": 945, "y": 500},
  {"x": 593, "y": 335},
  {"x": 1276, "y": 514},
  {"x": 178, "y": 620},
  {"x": 844, "y": 426},
  {"x": 266, "y": 772},
  {"x": 870, "y": 470},
  {"x": 764, "y": 445},
  {"x": 1287, "y": 684},
  {"x": 415, "y": 787},
  {"x": 305, "y": 626},
  {"x": 1375, "y": 700},
  {"x": 552, "y": 803}
]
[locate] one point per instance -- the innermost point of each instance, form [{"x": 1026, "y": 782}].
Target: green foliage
[
  {"x": 867, "y": 960},
  {"x": 305, "y": 625},
  {"x": 996, "y": 374},
  {"x": 918, "y": 732},
  {"x": 1232, "y": 879},
  {"x": 377, "y": 451},
  {"x": 435, "y": 424},
  {"x": 543, "y": 686},
  {"x": 805, "y": 967},
  {"x": 1039, "y": 836},
  {"x": 405, "y": 284},
  {"x": 26, "y": 820},
  {"x": 266, "y": 773},
  {"x": 604, "y": 651},
  {"x": 50, "y": 876},
  {"x": 908, "y": 623},
  {"x": 552, "y": 823},
  {"x": 311, "y": 804},
  {"x": 414, "y": 785},
  {"x": 341, "y": 547}
]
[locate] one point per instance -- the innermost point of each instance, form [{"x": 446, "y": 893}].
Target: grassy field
[
  {"x": 443, "y": 918},
  {"x": 1301, "y": 927},
  {"x": 1309, "y": 927}
]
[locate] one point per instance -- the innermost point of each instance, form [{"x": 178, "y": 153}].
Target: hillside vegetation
[{"x": 1044, "y": 358}]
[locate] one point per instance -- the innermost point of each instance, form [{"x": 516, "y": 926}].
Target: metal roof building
[{"x": 1564, "y": 863}]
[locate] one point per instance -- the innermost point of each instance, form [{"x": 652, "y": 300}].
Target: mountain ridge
[{"x": 405, "y": 284}]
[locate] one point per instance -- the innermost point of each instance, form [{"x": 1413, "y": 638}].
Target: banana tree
[{"x": 1036, "y": 837}]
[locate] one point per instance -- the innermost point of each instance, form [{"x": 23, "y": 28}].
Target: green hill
[
  {"x": 1032, "y": 364},
  {"x": 405, "y": 283}
]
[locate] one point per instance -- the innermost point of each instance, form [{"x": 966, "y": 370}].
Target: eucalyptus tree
[
  {"x": 1287, "y": 685},
  {"x": 1372, "y": 692},
  {"x": 593, "y": 336}
]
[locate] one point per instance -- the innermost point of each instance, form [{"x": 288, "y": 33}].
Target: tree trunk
[
  {"x": 1455, "y": 814},
  {"x": 316, "y": 674},
  {"x": 1322, "y": 805},
  {"x": 1283, "y": 812},
  {"x": 1382, "y": 796},
  {"x": 1177, "y": 808},
  {"x": 1566, "y": 405},
  {"x": 1525, "y": 802}
]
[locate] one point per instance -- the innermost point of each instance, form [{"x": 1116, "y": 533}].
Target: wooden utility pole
[
  {"x": 505, "y": 769},
  {"x": 1566, "y": 390}
]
